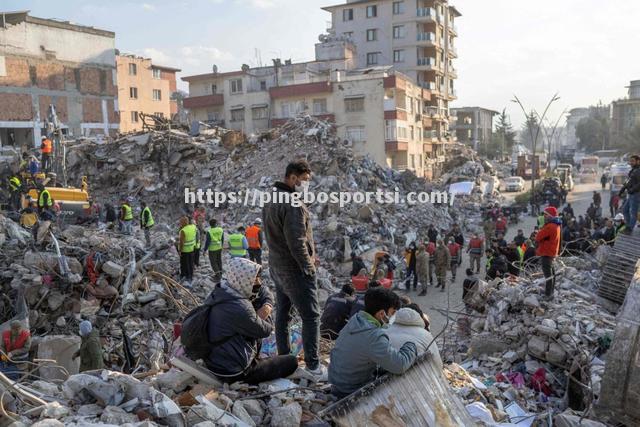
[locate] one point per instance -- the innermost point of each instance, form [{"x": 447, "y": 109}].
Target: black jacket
[
  {"x": 235, "y": 332},
  {"x": 289, "y": 235},
  {"x": 357, "y": 264},
  {"x": 632, "y": 185},
  {"x": 336, "y": 313},
  {"x": 432, "y": 234}
]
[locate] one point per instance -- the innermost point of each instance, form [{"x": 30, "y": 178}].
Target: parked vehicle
[
  {"x": 565, "y": 178},
  {"x": 514, "y": 183},
  {"x": 618, "y": 176},
  {"x": 588, "y": 175},
  {"x": 589, "y": 162}
]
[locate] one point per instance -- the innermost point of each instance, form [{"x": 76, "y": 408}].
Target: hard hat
[
  {"x": 258, "y": 221},
  {"x": 43, "y": 138},
  {"x": 619, "y": 217}
]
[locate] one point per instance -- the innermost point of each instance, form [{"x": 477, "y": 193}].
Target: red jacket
[
  {"x": 19, "y": 342},
  {"x": 501, "y": 224},
  {"x": 431, "y": 248},
  {"x": 548, "y": 239},
  {"x": 454, "y": 248}
]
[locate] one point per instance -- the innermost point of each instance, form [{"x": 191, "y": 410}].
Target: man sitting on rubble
[
  {"x": 410, "y": 325},
  {"x": 363, "y": 346},
  {"x": 337, "y": 311},
  {"x": 357, "y": 264},
  {"x": 14, "y": 346},
  {"x": 90, "y": 351},
  {"x": 235, "y": 329}
]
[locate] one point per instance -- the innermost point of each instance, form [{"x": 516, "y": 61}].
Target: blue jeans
[
  {"x": 293, "y": 288},
  {"x": 630, "y": 210}
]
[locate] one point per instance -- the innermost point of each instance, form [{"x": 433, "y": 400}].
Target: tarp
[{"x": 463, "y": 188}]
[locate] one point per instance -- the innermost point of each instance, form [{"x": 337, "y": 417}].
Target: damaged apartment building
[{"x": 55, "y": 70}]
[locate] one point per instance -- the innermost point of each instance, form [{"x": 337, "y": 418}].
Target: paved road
[{"x": 435, "y": 302}]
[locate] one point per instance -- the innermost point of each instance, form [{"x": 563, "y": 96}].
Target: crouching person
[
  {"x": 363, "y": 345},
  {"x": 236, "y": 329},
  {"x": 336, "y": 313},
  {"x": 14, "y": 349},
  {"x": 411, "y": 324}
]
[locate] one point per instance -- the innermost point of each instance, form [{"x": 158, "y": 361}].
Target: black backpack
[{"x": 195, "y": 332}]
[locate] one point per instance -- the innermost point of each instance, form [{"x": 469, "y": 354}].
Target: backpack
[{"x": 195, "y": 332}]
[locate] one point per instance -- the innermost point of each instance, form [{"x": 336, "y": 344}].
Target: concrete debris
[{"x": 287, "y": 416}]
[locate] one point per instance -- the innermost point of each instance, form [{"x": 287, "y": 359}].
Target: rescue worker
[
  {"x": 489, "y": 228},
  {"x": 15, "y": 186},
  {"x": 548, "y": 247},
  {"x": 15, "y": 346},
  {"x": 632, "y": 189},
  {"x": 45, "y": 201},
  {"x": 146, "y": 222},
  {"x": 519, "y": 238},
  {"x": 186, "y": 246},
  {"x": 541, "y": 220},
  {"x": 254, "y": 240},
  {"x": 238, "y": 244},
  {"x": 24, "y": 163},
  {"x": 456, "y": 257},
  {"x": 475, "y": 249},
  {"x": 198, "y": 245},
  {"x": 618, "y": 222},
  {"x": 431, "y": 250},
  {"x": 442, "y": 258},
  {"x": 213, "y": 244},
  {"x": 126, "y": 217},
  {"x": 29, "y": 218},
  {"x": 410, "y": 260},
  {"x": 46, "y": 151},
  {"x": 90, "y": 351}
]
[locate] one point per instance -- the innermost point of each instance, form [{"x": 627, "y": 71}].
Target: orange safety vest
[
  {"x": 20, "y": 341},
  {"x": 46, "y": 148},
  {"x": 252, "y": 234}
]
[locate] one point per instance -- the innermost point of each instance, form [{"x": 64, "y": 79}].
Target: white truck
[{"x": 618, "y": 176}]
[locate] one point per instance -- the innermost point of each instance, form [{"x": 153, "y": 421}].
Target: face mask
[
  {"x": 386, "y": 320},
  {"x": 303, "y": 187}
]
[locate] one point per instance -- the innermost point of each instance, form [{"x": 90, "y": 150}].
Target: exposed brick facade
[
  {"x": 15, "y": 106},
  {"x": 17, "y": 73},
  {"x": 49, "y": 75},
  {"x": 91, "y": 110},
  {"x": 62, "y": 108}
]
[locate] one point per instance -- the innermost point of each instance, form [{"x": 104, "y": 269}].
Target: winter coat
[
  {"x": 422, "y": 265},
  {"x": 409, "y": 326},
  {"x": 548, "y": 239},
  {"x": 336, "y": 313},
  {"x": 356, "y": 265},
  {"x": 432, "y": 234},
  {"x": 91, "y": 352},
  {"x": 632, "y": 185},
  {"x": 234, "y": 328},
  {"x": 289, "y": 235},
  {"x": 363, "y": 345},
  {"x": 442, "y": 260}
]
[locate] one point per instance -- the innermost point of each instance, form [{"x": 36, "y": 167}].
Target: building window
[
  {"x": 402, "y": 132},
  {"x": 157, "y": 74},
  {"x": 372, "y": 11},
  {"x": 348, "y": 34},
  {"x": 354, "y": 105},
  {"x": 411, "y": 133},
  {"x": 214, "y": 89},
  {"x": 412, "y": 157},
  {"x": 133, "y": 92},
  {"x": 161, "y": 115},
  {"x": 213, "y": 116},
  {"x": 355, "y": 133},
  {"x": 372, "y": 58},
  {"x": 236, "y": 85},
  {"x": 372, "y": 35},
  {"x": 237, "y": 115},
  {"x": 398, "y": 55},
  {"x": 263, "y": 85},
  {"x": 260, "y": 113},
  {"x": 347, "y": 15},
  {"x": 389, "y": 130},
  {"x": 398, "y": 7},
  {"x": 398, "y": 32},
  {"x": 134, "y": 117},
  {"x": 133, "y": 70},
  {"x": 319, "y": 106},
  {"x": 157, "y": 95}
]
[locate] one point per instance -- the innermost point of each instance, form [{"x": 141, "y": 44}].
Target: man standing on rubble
[
  {"x": 254, "y": 239},
  {"x": 632, "y": 189},
  {"x": 238, "y": 244},
  {"x": 442, "y": 258},
  {"x": 292, "y": 262},
  {"x": 126, "y": 217},
  {"x": 46, "y": 151},
  {"x": 548, "y": 247},
  {"x": 186, "y": 246},
  {"x": 146, "y": 222},
  {"x": 213, "y": 244},
  {"x": 475, "y": 251},
  {"x": 15, "y": 186}
]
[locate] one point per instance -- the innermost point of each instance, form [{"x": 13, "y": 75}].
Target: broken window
[
  {"x": 372, "y": 11},
  {"x": 214, "y": 89},
  {"x": 134, "y": 117},
  {"x": 398, "y": 7},
  {"x": 398, "y": 32},
  {"x": 237, "y": 115},
  {"x": 133, "y": 69},
  {"x": 263, "y": 85},
  {"x": 372, "y": 35},
  {"x": 319, "y": 106},
  {"x": 355, "y": 133},
  {"x": 133, "y": 92},
  {"x": 157, "y": 95},
  {"x": 260, "y": 113},
  {"x": 236, "y": 85},
  {"x": 398, "y": 55},
  {"x": 157, "y": 73},
  {"x": 354, "y": 105},
  {"x": 372, "y": 58},
  {"x": 347, "y": 15}
]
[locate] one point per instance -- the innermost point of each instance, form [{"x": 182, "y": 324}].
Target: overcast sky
[{"x": 587, "y": 50}]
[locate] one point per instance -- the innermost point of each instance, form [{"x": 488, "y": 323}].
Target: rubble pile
[{"x": 521, "y": 356}]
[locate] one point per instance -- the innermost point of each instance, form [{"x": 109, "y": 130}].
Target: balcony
[
  {"x": 426, "y": 39},
  {"x": 453, "y": 51},
  {"x": 427, "y": 14},
  {"x": 453, "y": 72},
  {"x": 453, "y": 94},
  {"x": 396, "y": 146},
  {"x": 203, "y": 101},
  {"x": 453, "y": 28},
  {"x": 428, "y": 85},
  {"x": 426, "y": 64},
  {"x": 389, "y": 104}
]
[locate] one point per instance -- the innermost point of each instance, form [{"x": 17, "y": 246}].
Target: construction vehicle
[{"x": 73, "y": 203}]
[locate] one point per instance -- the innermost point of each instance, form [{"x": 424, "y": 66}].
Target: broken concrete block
[
  {"x": 510, "y": 356},
  {"x": 112, "y": 269},
  {"x": 117, "y": 416},
  {"x": 61, "y": 349},
  {"x": 239, "y": 411},
  {"x": 287, "y": 416},
  {"x": 485, "y": 344},
  {"x": 48, "y": 423},
  {"x": 54, "y": 410},
  {"x": 531, "y": 301},
  {"x": 254, "y": 408},
  {"x": 549, "y": 332},
  {"x": 174, "y": 379},
  {"x": 365, "y": 213},
  {"x": 55, "y": 300},
  {"x": 538, "y": 346},
  {"x": 556, "y": 354}
]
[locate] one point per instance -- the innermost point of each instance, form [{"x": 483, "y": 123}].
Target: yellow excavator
[{"x": 74, "y": 203}]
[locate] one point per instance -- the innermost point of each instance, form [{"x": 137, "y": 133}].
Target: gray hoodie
[{"x": 362, "y": 347}]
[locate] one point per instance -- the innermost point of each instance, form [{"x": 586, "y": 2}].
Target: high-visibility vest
[
  {"x": 235, "y": 245},
  {"x": 150, "y": 221},
  {"x": 215, "y": 239},
  {"x": 189, "y": 244},
  {"x": 41, "y": 199},
  {"x": 489, "y": 261},
  {"x": 540, "y": 221},
  {"x": 253, "y": 236},
  {"x": 128, "y": 213},
  {"x": 47, "y": 147},
  {"x": 198, "y": 239},
  {"x": 520, "y": 253},
  {"x": 15, "y": 183}
]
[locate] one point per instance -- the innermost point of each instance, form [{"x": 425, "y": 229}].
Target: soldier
[
  {"x": 489, "y": 228},
  {"x": 442, "y": 264}
]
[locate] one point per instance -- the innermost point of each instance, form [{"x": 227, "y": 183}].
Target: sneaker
[{"x": 318, "y": 374}]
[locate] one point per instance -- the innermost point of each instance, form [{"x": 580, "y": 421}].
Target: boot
[{"x": 423, "y": 293}]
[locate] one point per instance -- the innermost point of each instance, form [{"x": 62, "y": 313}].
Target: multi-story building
[
  {"x": 379, "y": 110},
  {"x": 574, "y": 117},
  {"x": 625, "y": 114},
  {"x": 416, "y": 37},
  {"x": 144, "y": 87},
  {"x": 473, "y": 125},
  {"x": 50, "y": 66}
]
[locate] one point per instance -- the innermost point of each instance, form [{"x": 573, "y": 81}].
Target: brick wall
[
  {"x": 114, "y": 117},
  {"x": 15, "y": 106},
  {"x": 50, "y": 75},
  {"x": 91, "y": 110},
  {"x": 90, "y": 81},
  {"x": 17, "y": 73},
  {"x": 62, "y": 109}
]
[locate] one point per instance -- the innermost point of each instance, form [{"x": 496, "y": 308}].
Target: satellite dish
[
  {"x": 215, "y": 69},
  {"x": 245, "y": 68}
]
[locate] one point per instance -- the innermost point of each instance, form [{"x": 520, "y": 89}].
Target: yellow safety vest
[
  {"x": 235, "y": 245},
  {"x": 150, "y": 222},
  {"x": 198, "y": 243},
  {"x": 128, "y": 213},
  {"x": 215, "y": 238},
  {"x": 15, "y": 183},
  {"x": 41, "y": 199},
  {"x": 189, "y": 245}
]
